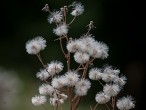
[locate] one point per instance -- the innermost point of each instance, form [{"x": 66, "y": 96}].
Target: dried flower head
[
  {"x": 35, "y": 45},
  {"x": 38, "y": 100}
]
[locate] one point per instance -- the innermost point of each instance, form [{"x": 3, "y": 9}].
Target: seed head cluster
[{"x": 62, "y": 82}]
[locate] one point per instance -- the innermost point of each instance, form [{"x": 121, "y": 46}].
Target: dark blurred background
[{"x": 119, "y": 23}]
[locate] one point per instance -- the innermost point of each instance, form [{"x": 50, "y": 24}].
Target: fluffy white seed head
[
  {"x": 99, "y": 50},
  {"x": 121, "y": 80},
  {"x": 46, "y": 89},
  {"x": 78, "y": 9},
  {"x": 81, "y": 57},
  {"x": 125, "y": 103},
  {"x": 111, "y": 89},
  {"x": 35, "y": 45},
  {"x": 81, "y": 91},
  {"x": 55, "y": 16},
  {"x": 86, "y": 42},
  {"x": 58, "y": 82},
  {"x": 95, "y": 74},
  {"x": 73, "y": 46},
  {"x": 43, "y": 75},
  {"x": 102, "y": 98},
  {"x": 61, "y": 30},
  {"x": 38, "y": 100},
  {"x": 104, "y": 48},
  {"x": 110, "y": 70},
  {"x": 108, "y": 77},
  {"x": 71, "y": 78},
  {"x": 63, "y": 96},
  {"x": 54, "y": 67},
  {"x": 56, "y": 102},
  {"x": 82, "y": 87},
  {"x": 110, "y": 74}
]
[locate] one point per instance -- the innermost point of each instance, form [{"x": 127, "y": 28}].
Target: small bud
[{"x": 46, "y": 8}]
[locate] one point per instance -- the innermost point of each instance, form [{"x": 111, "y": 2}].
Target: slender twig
[
  {"x": 77, "y": 102},
  {"x": 45, "y": 107},
  {"x": 60, "y": 38},
  {"x": 95, "y": 106},
  {"x": 72, "y": 21},
  {"x": 40, "y": 59},
  {"x": 91, "y": 107},
  {"x": 100, "y": 83},
  {"x": 107, "y": 106},
  {"x": 113, "y": 102},
  {"x": 69, "y": 98},
  {"x": 62, "y": 47}
]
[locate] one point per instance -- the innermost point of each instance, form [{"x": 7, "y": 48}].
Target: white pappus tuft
[
  {"x": 78, "y": 9},
  {"x": 43, "y": 75},
  {"x": 110, "y": 74},
  {"x": 81, "y": 57},
  {"x": 54, "y": 67},
  {"x": 82, "y": 86},
  {"x": 58, "y": 82},
  {"x": 121, "y": 80},
  {"x": 73, "y": 46},
  {"x": 99, "y": 50},
  {"x": 55, "y": 16},
  {"x": 111, "y": 89},
  {"x": 35, "y": 45},
  {"x": 56, "y": 102},
  {"x": 38, "y": 100},
  {"x": 46, "y": 89},
  {"x": 95, "y": 74},
  {"x": 61, "y": 30},
  {"x": 71, "y": 78},
  {"x": 102, "y": 98},
  {"x": 125, "y": 103}
]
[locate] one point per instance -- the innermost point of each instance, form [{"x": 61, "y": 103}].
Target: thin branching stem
[
  {"x": 95, "y": 106},
  {"x": 72, "y": 21},
  {"x": 45, "y": 107},
  {"x": 107, "y": 106},
  {"x": 40, "y": 59},
  {"x": 61, "y": 46}
]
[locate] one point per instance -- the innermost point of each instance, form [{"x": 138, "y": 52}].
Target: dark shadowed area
[{"x": 119, "y": 23}]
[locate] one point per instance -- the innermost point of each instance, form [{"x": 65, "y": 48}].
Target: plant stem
[
  {"x": 107, "y": 106},
  {"x": 40, "y": 59},
  {"x": 62, "y": 47},
  {"x": 95, "y": 106},
  {"x": 72, "y": 21},
  {"x": 77, "y": 102}
]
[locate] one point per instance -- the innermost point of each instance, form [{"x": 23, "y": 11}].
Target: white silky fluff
[
  {"x": 81, "y": 57},
  {"x": 86, "y": 43},
  {"x": 102, "y": 98},
  {"x": 43, "y": 74},
  {"x": 71, "y": 78},
  {"x": 61, "y": 30},
  {"x": 35, "y": 45},
  {"x": 54, "y": 67},
  {"x": 125, "y": 103},
  {"x": 121, "y": 80},
  {"x": 82, "y": 87},
  {"x": 73, "y": 46},
  {"x": 58, "y": 82},
  {"x": 99, "y": 50},
  {"x": 38, "y": 100},
  {"x": 111, "y": 89},
  {"x": 110, "y": 74},
  {"x": 55, "y": 16},
  {"x": 78, "y": 9},
  {"x": 95, "y": 74},
  {"x": 46, "y": 89},
  {"x": 56, "y": 102}
]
